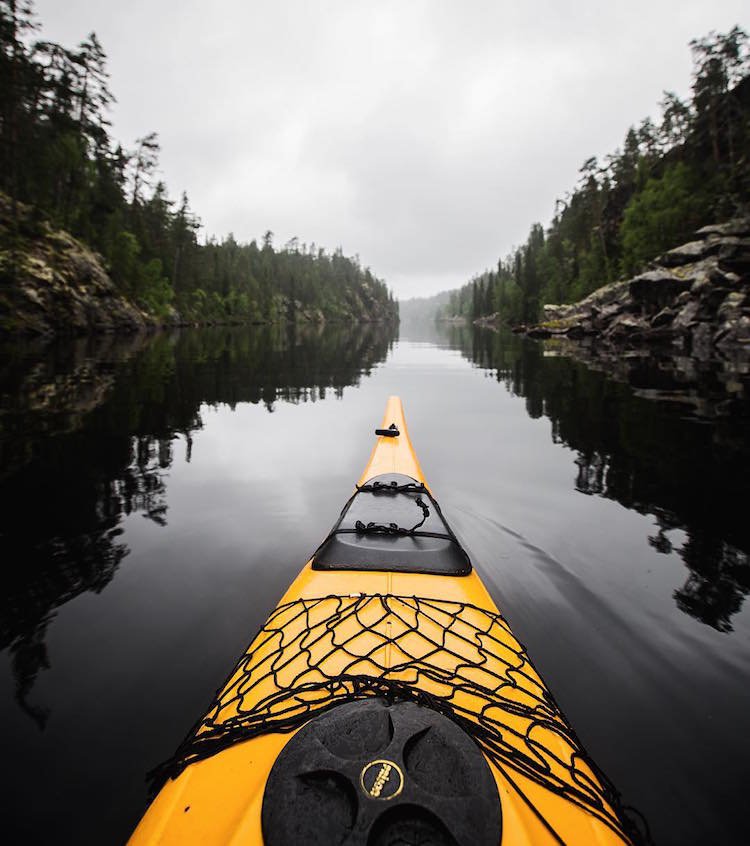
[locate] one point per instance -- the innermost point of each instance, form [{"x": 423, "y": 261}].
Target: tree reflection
[
  {"x": 665, "y": 437},
  {"x": 87, "y": 433},
  {"x": 718, "y": 582}
]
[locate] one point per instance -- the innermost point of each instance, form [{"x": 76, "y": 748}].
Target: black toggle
[{"x": 391, "y": 432}]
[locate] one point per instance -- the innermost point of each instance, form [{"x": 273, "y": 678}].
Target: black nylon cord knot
[
  {"x": 373, "y": 528},
  {"x": 391, "y": 487},
  {"x": 379, "y": 528}
]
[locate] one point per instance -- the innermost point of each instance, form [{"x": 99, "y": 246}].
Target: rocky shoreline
[
  {"x": 52, "y": 283},
  {"x": 694, "y": 301}
]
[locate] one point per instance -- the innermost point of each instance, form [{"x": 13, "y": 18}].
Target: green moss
[{"x": 561, "y": 323}]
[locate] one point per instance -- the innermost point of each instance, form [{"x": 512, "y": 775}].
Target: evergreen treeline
[
  {"x": 689, "y": 169},
  {"x": 57, "y": 155}
]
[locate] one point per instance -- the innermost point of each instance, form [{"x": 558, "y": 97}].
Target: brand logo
[{"x": 382, "y": 780}]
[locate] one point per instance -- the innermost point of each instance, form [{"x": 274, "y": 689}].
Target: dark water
[{"x": 158, "y": 496}]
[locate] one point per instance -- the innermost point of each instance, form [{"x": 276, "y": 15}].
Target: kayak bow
[{"x": 384, "y": 701}]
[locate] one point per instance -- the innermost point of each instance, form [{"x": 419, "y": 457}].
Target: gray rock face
[
  {"x": 734, "y": 255},
  {"x": 687, "y": 315},
  {"x": 695, "y": 298},
  {"x": 689, "y": 253},
  {"x": 51, "y": 283},
  {"x": 740, "y": 226},
  {"x": 555, "y": 312},
  {"x": 657, "y": 288},
  {"x": 664, "y": 317}
]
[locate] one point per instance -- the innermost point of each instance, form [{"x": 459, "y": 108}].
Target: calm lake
[{"x": 159, "y": 494}]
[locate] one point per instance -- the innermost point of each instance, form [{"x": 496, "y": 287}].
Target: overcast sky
[{"x": 424, "y": 136}]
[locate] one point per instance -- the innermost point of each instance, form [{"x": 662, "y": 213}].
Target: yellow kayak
[{"x": 385, "y": 701}]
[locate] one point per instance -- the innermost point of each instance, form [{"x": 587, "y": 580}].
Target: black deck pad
[
  {"x": 432, "y": 548},
  {"x": 374, "y": 773}
]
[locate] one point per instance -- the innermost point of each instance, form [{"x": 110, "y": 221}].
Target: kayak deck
[{"x": 342, "y": 635}]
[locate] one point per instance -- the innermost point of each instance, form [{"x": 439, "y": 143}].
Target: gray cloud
[{"x": 424, "y": 136}]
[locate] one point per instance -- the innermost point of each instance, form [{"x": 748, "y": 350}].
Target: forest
[
  {"x": 58, "y": 158},
  {"x": 688, "y": 168}
]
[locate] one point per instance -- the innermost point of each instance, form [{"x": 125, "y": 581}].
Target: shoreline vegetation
[
  {"x": 671, "y": 180},
  {"x": 694, "y": 300},
  {"x": 90, "y": 240}
]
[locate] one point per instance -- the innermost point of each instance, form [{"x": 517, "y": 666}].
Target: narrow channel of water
[{"x": 159, "y": 494}]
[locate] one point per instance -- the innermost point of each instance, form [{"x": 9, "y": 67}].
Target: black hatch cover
[{"x": 370, "y": 773}]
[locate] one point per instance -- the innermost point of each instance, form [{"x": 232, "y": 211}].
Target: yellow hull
[{"x": 388, "y": 625}]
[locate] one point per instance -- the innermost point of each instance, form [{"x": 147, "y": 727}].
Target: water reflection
[
  {"x": 87, "y": 432},
  {"x": 632, "y": 434},
  {"x": 719, "y": 580}
]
